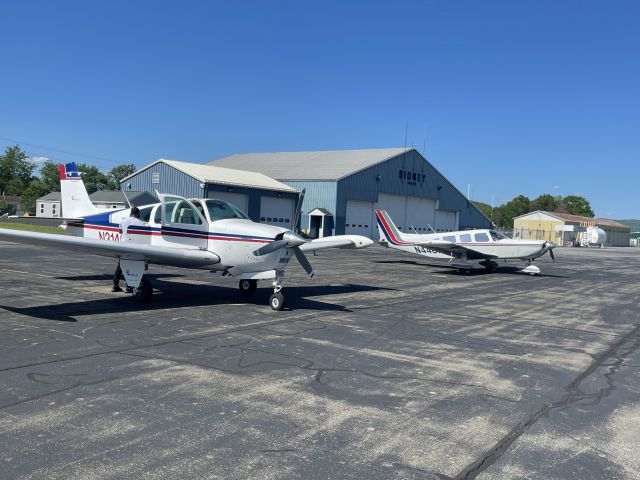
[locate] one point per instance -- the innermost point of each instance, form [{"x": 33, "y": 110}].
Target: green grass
[{"x": 32, "y": 228}]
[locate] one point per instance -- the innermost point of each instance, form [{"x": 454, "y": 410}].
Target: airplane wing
[
  {"x": 337, "y": 241},
  {"x": 179, "y": 257}
]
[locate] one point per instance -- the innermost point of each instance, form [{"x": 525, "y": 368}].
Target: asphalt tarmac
[{"x": 386, "y": 365}]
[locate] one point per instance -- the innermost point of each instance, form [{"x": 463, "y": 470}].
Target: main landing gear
[
  {"x": 489, "y": 265},
  {"x": 142, "y": 293},
  {"x": 248, "y": 287}
]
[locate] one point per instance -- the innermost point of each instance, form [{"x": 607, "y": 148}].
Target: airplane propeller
[
  {"x": 548, "y": 247},
  {"x": 290, "y": 240}
]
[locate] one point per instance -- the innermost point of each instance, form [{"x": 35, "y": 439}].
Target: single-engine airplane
[
  {"x": 462, "y": 247},
  {"x": 205, "y": 234}
]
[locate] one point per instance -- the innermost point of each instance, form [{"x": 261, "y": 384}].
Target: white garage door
[
  {"x": 276, "y": 211},
  {"x": 420, "y": 215},
  {"x": 239, "y": 200},
  {"x": 396, "y": 207},
  {"x": 359, "y": 218},
  {"x": 445, "y": 221}
]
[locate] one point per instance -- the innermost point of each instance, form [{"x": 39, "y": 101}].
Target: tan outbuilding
[{"x": 566, "y": 229}]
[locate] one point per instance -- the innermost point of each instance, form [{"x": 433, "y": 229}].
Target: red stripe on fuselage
[
  {"x": 168, "y": 233},
  {"x": 389, "y": 232}
]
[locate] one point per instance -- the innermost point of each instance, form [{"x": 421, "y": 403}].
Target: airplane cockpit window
[
  {"x": 145, "y": 213},
  {"x": 481, "y": 237},
  {"x": 181, "y": 211},
  {"x": 220, "y": 210},
  {"x": 496, "y": 235},
  {"x": 449, "y": 238}
]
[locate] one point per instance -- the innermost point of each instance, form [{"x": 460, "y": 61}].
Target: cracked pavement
[{"x": 386, "y": 365}]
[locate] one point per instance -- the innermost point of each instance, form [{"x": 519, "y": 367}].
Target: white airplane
[
  {"x": 464, "y": 246},
  {"x": 205, "y": 234}
]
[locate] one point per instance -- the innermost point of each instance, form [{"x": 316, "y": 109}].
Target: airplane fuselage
[
  {"x": 480, "y": 244},
  {"x": 233, "y": 239}
]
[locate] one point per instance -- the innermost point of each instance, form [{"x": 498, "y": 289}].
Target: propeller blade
[
  {"x": 298, "y": 213},
  {"x": 553, "y": 257},
  {"x": 304, "y": 262},
  {"x": 270, "y": 247}
]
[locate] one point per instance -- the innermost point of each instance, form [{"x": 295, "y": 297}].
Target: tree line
[
  {"x": 21, "y": 177},
  {"x": 503, "y": 215}
]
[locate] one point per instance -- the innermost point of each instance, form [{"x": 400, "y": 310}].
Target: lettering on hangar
[{"x": 411, "y": 177}]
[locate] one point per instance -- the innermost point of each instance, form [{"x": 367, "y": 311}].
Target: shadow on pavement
[{"x": 169, "y": 295}]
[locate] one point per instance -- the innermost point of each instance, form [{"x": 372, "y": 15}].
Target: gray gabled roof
[
  {"x": 50, "y": 197},
  {"x": 322, "y": 165},
  {"x": 322, "y": 211},
  {"x": 219, "y": 175},
  {"x": 116, "y": 196}
]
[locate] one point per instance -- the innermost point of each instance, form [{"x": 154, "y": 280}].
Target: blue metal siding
[
  {"x": 319, "y": 194},
  {"x": 172, "y": 181},
  {"x": 391, "y": 177}
]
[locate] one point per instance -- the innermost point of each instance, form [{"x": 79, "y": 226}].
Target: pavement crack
[{"x": 573, "y": 395}]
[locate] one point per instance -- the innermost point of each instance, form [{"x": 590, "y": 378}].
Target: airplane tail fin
[
  {"x": 74, "y": 196},
  {"x": 388, "y": 230}
]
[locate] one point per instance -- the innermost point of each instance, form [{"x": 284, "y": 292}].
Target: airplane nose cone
[{"x": 293, "y": 239}]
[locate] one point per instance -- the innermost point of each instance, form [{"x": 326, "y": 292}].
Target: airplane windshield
[
  {"x": 220, "y": 210},
  {"x": 496, "y": 235}
]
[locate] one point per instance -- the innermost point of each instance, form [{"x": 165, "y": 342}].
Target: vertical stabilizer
[
  {"x": 388, "y": 230},
  {"x": 75, "y": 199}
]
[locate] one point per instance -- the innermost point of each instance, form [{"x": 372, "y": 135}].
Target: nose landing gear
[{"x": 276, "y": 301}]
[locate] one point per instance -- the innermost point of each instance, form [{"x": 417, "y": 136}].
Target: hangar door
[
  {"x": 420, "y": 215},
  {"x": 277, "y": 211},
  {"x": 396, "y": 207},
  {"x": 359, "y": 218},
  {"x": 239, "y": 200},
  {"x": 446, "y": 221}
]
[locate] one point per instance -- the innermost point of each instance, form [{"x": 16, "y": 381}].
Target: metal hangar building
[
  {"x": 344, "y": 187},
  {"x": 262, "y": 198}
]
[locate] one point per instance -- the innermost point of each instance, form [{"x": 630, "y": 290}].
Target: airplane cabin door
[{"x": 183, "y": 223}]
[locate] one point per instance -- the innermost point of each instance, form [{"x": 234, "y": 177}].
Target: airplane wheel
[
  {"x": 143, "y": 293},
  {"x": 248, "y": 286},
  {"x": 276, "y": 301}
]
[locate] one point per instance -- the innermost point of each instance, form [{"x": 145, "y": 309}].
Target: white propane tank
[{"x": 596, "y": 236}]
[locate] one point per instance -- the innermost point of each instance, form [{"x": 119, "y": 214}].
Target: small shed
[
  {"x": 49, "y": 205},
  {"x": 564, "y": 228}
]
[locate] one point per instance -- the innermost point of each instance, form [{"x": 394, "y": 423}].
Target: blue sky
[{"x": 510, "y": 96}]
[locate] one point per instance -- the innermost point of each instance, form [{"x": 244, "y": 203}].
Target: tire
[
  {"x": 144, "y": 291},
  {"x": 276, "y": 302},
  {"x": 247, "y": 287}
]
